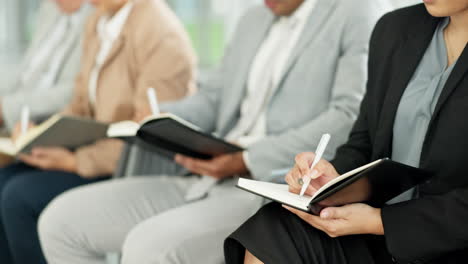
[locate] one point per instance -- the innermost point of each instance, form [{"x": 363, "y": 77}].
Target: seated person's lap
[
  {"x": 141, "y": 206},
  {"x": 20, "y": 183},
  {"x": 291, "y": 240}
]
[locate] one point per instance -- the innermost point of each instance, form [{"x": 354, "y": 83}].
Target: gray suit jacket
[
  {"x": 43, "y": 103},
  {"x": 320, "y": 92}
]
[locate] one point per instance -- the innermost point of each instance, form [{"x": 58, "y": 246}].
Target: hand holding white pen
[
  {"x": 318, "y": 156},
  {"x": 24, "y": 119},
  {"x": 23, "y": 125}
]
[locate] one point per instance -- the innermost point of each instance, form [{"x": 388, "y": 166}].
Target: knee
[
  {"x": 55, "y": 220},
  {"x": 157, "y": 241},
  {"x": 136, "y": 248},
  {"x": 15, "y": 196},
  {"x": 50, "y": 222},
  {"x": 143, "y": 248}
]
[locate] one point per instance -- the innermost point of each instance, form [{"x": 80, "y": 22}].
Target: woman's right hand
[
  {"x": 322, "y": 173},
  {"x": 16, "y": 133},
  {"x": 141, "y": 114}
]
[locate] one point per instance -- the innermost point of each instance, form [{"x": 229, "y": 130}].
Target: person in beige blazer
[
  {"x": 129, "y": 46},
  {"x": 152, "y": 50}
]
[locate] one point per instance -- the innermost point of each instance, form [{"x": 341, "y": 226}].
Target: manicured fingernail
[{"x": 325, "y": 214}]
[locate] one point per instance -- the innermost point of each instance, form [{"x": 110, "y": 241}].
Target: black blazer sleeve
[
  {"x": 433, "y": 226},
  {"x": 428, "y": 227}
]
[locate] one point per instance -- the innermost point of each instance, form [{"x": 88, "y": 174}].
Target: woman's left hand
[
  {"x": 352, "y": 219},
  {"x": 51, "y": 158}
]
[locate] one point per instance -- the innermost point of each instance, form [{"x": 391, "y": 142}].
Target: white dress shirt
[
  {"x": 290, "y": 27},
  {"x": 285, "y": 31},
  {"x": 108, "y": 29}
]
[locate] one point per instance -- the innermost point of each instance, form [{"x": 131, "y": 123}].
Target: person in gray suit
[
  {"x": 45, "y": 79},
  {"x": 294, "y": 70}
]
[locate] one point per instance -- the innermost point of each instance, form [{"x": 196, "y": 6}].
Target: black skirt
[{"x": 276, "y": 236}]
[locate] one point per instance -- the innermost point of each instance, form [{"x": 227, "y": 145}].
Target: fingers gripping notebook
[{"x": 398, "y": 177}]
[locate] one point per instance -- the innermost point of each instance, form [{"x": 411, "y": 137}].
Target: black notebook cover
[
  {"x": 388, "y": 177},
  {"x": 169, "y": 134}
]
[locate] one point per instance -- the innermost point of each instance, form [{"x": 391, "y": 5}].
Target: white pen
[
  {"x": 153, "y": 101},
  {"x": 318, "y": 155},
  {"x": 24, "y": 119}
]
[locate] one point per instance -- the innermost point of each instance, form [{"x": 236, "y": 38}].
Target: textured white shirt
[
  {"x": 108, "y": 29},
  {"x": 290, "y": 27}
]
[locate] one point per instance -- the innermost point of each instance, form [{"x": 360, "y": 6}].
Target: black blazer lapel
[
  {"x": 407, "y": 58},
  {"x": 455, "y": 77},
  {"x": 461, "y": 68}
]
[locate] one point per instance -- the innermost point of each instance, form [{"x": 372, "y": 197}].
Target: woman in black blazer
[{"x": 418, "y": 83}]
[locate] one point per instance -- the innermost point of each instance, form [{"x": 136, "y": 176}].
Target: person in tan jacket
[{"x": 129, "y": 46}]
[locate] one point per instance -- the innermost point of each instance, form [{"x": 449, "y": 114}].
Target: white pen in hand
[
  {"x": 24, "y": 119},
  {"x": 153, "y": 101},
  {"x": 318, "y": 156}
]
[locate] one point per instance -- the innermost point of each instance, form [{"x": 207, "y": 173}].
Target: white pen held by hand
[
  {"x": 318, "y": 156},
  {"x": 24, "y": 119},
  {"x": 153, "y": 101}
]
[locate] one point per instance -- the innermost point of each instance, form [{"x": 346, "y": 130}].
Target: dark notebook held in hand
[
  {"x": 389, "y": 177},
  {"x": 171, "y": 133}
]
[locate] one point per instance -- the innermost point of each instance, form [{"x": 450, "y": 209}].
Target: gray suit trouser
[{"x": 145, "y": 218}]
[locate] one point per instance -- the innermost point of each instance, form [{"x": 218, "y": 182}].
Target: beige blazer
[{"x": 153, "y": 50}]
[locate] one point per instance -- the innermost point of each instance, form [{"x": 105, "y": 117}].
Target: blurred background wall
[{"x": 209, "y": 22}]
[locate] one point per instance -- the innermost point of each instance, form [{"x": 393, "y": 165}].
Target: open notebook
[
  {"x": 399, "y": 178},
  {"x": 172, "y": 133},
  {"x": 64, "y": 131},
  {"x": 165, "y": 131}
]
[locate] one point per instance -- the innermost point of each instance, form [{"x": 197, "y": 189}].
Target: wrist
[
  {"x": 72, "y": 164},
  {"x": 241, "y": 164},
  {"x": 378, "y": 228}
]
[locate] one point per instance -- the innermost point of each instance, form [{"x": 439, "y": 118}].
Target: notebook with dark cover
[
  {"x": 397, "y": 177},
  {"x": 62, "y": 131},
  {"x": 173, "y": 134}
]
